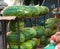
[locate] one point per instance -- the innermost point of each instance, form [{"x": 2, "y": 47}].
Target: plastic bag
[{"x": 50, "y": 46}]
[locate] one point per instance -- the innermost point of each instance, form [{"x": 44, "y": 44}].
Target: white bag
[{"x": 57, "y": 47}]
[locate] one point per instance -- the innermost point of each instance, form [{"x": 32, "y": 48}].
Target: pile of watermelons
[
  {"x": 30, "y": 44},
  {"x": 25, "y": 34},
  {"x": 51, "y": 23},
  {"x": 50, "y": 28},
  {"x": 27, "y": 39},
  {"x": 25, "y": 11},
  {"x": 28, "y": 33}
]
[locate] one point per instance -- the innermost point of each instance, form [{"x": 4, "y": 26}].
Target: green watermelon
[
  {"x": 54, "y": 31},
  {"x": 47, "y": 41},
  {"x": 20, "y": 11},
  {"x": 51, "y": 23},
  {"x": 44, "y": 10},
  {"x": 29, "y": 11},
  {"x": 34, "y": 11},
  {"x": 30, "y": 44},
  {"x": 34, "y": 43},
  {"x": 22, "y": 37},
  {"x": 13, "y": 38},
  {"x": 27, "y": 45},
  {"x": 40, "y": 30},
  {"x": 30, "y": 31},
  {"x": 16, "y": 47},
  {"x": 27, "y": 35},
  {"x": 15, "y": 10},
  {"x": 38, "y": 9},
  {"x": 48, "y": 32},
  {"x": 24, "y": 11},
  {"x": 13, "y": 25},
  {"x": 43, "y": 40}
]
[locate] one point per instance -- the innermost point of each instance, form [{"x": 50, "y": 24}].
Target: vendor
[{"x": 56, "y": 37}]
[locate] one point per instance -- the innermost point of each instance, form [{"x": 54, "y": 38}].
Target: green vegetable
[
  {"x": 13, "y": 38},
  {"x": 40, "y": 30},
  {"x": 43, "y": 40},
  {"x": 47, "y": 41},
  {"x": 30, "y": 11},
  {"x": 26, "y": 45},
  {"x": 29, "y": 44},
  {"x": 14, "y": 11},
  {"x": 16, "y": 47},
  {"x": 25, "y": 11},
  {"x": 14, "y": 27},
  {"x": 48, "y": 32},
  {"x": 44, "y": 10},
  {"x": 29, "y": 33},
  {"x": 51, "y": 23},
  {"x": 38, "y": 9}
]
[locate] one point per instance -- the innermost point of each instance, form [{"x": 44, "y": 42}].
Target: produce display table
[{"x": 4, "y": 21}]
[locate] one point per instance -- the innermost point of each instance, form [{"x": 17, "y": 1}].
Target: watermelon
[
  {"x": 47, "y": 41},
  {"x": 27, "y": 35},
  {"x": 33, "y": 42},
  {"x": 48, "y": 32},
  {"x": 29, "y": 11},
  {"x": 27, "y": 45},
  {"x": 20, "y": 11},
  {"x": 38, "y": 9},
  {"x": 51, "y": 23},
  {"x": 43, "y": 40},
  {"x": 54, "y": 31},
  {"x": 30, "y": 31},
  {"x": 14, "y": 11},
  {"x": 40, "y": 30},
  {"x": 30, "y": 44},
  {"x": 16, "y": 47},
  {"x": 34, "y": 11},
  {"x": 22, "y": 37},
  {"x": 13, "y": 25},
  {"x": 44, "y": 10},
  {"x": 24, "y": 11},
  {"x": 14, "y": 40}
]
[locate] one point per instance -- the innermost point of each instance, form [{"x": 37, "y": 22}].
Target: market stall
[{"x": 15, "y": 35}]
